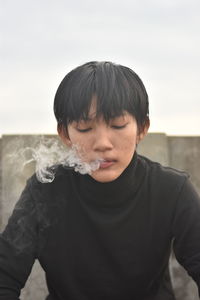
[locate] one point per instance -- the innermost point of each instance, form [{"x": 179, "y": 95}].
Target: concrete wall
[
  {"x": 182, "y": 153},
  {"x": 185, "y": 155},
  {"x": 179, "y": 152},
  {"x": 1, "y": 211},
  {"x": 13, "y": 179}
]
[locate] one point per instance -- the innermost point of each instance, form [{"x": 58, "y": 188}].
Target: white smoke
[{"x": 47, "y": 155}]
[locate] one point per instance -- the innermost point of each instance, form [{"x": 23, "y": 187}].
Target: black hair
[{"x": 116, "y": 89}]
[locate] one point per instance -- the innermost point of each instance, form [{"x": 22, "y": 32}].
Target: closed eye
[
  {"x": 119, "y": 126},
  {"x": 83, "y": 130}
]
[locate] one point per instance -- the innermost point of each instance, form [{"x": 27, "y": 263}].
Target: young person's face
[{"x": 114, "y": 143}]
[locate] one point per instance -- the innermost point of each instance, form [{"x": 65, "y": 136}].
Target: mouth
[{"x": 106, "y": 163}]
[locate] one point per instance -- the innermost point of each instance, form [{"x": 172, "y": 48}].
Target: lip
[{"x": 106, "y": 163}]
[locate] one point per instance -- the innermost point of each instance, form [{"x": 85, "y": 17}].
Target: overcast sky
[{"x": 41, "y": 40}]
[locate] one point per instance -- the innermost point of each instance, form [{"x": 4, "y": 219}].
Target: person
[{"x": 108, "y": 234}]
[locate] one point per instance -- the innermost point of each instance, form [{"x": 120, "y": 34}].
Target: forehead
[
  {"x": 94, "y": 115},
  {"x": 93, "y": 108}
]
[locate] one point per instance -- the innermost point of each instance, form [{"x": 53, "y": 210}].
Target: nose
[{"x": 102, "y": 140}]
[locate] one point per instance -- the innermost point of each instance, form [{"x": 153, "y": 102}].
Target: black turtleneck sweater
[{"x": 103, "y": 241}]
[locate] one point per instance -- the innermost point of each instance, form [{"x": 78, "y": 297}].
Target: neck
[{"x": 114, "y": 192}]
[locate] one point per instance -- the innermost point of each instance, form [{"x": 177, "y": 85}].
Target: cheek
[
  {"x": 76, "y": 138},
  {"x": 128, "y": 150},
  {"x": 83, "y": 147},
  {"x": 84, "y": 143},
  {"x": 128, "y": 144}
]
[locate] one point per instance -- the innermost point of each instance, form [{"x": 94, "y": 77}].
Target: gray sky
[{"x": 41, "y": 40}]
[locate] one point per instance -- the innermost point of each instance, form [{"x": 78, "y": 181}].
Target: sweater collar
[{"x": 114, "y": 192}]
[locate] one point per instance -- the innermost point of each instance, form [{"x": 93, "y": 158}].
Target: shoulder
[
  {"x": 50, "y": 199},
  {"x": 51, "y": 176},
  {"x": 167, "y": 188},
  {"x": 163, "y": 176},
  {"x": 59, "y": 184},
  {"x": 156, "y": 167}
]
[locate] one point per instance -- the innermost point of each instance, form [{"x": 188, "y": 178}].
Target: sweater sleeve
[
  {"x": 186, "y": 231},
  {"x": 18, "y": 247}
]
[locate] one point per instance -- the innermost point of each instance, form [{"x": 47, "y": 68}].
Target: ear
[
  {"x": 144, "y": 131},
  {"x": 63, "y": 134}
]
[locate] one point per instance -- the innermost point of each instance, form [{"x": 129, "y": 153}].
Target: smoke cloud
[{"x": 47, "y": 155}]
